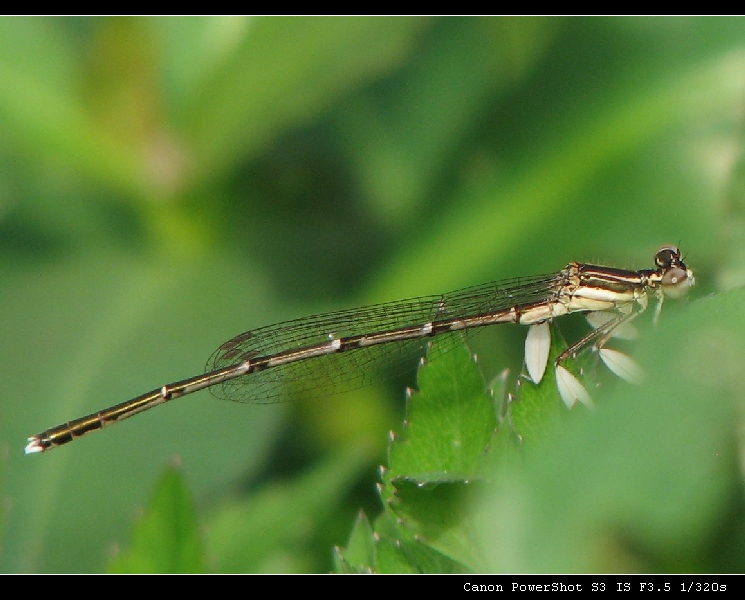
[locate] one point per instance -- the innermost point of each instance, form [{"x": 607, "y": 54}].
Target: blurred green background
[{"x": 168, "y": 183}]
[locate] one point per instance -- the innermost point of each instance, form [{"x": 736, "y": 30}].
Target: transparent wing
[{"x": 355, "y": 368}]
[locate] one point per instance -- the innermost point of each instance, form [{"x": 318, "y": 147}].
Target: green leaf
[
  {"x": 358, "y": 556},
  {"x": 397, "y": 550},
  {"x": 266, "y": 531},
  {"x": 449, "y": 421},
  {"x": 167, "y": 538},
  {"x": 437, "y": 517}
]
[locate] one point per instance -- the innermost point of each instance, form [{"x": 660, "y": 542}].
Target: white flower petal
[
  {"x": 622, "y": 365},
  {"x": 570, "y": 389},
  {"x": 537, "y": 347}
]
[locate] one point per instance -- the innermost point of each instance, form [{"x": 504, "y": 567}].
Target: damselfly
[{"x": 341, "y": 350}]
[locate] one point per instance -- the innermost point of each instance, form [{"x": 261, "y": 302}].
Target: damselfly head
[{"x": 675, "y": 278}]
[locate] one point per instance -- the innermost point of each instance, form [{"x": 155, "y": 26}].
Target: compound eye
[{"x": 667, "y": 256}]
